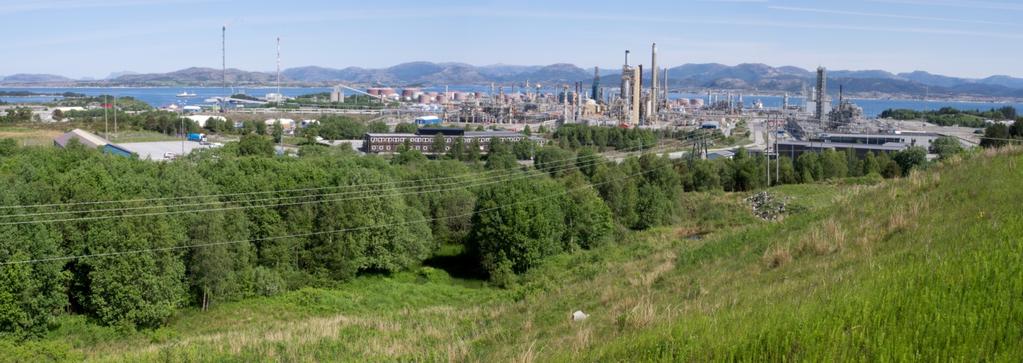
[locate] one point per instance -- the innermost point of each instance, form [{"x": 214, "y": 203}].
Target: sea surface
[{"x": 164, "y": 96}]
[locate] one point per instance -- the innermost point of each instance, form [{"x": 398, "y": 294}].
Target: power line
[
  {"x": 496, "y": 174},
  {"x": 139, "y": 200},
  {"x": 424, "y": 220},
  {"x": 79, "y": 219}
]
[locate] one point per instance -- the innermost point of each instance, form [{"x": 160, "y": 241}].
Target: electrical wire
[
  {"x": 497, "y": 174},
  {"x": 424, "y": 220},
  {"x": 162, "y": 213},
  {"x": 139, "y": 200}
]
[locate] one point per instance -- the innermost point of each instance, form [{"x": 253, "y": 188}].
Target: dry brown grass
[
  {"x": 30, "y": 137},
  {"x": 777, "y": 256}
]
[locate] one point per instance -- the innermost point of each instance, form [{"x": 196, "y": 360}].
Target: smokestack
[
  {"x": 822, "y": 93},
  {"x": 665, "y": 98},
  {"x": 654, "y": 96},
  {"x": 223, "y": 54},
  {"x": 279, "y": 98}
]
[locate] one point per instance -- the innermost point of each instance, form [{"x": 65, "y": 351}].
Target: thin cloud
[
  {"x": 988, "y": 5},
  {"x": 884, "y": 15},
  {"x": 56, "y": 5}
]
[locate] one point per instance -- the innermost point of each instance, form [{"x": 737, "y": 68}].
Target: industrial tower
[
  {"x": 822, "y": 95},
  {"x": 631, "y": 92},
  {"x": 652, "y": 111}
]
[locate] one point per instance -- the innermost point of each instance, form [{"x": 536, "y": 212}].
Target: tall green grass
[{"x": 927, "y": 268}]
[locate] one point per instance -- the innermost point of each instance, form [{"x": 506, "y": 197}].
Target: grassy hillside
[{"x": 925, "y": 268}]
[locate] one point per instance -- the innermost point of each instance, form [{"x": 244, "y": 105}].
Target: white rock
[{"x": 579, "y": 315}]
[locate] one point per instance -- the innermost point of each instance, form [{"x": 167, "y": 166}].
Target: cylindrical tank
[
  {"x": 373, "y": 91},
  {"x": 442, "y": 98},
  {"x": 459, "y": 96},
  {"x": 696, "y": 102},
  {"x": 387, "y": 91},
  {"x": 423, "y": 98}
]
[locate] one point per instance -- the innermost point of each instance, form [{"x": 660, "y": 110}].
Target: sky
[{"x": 92, "y": 38}]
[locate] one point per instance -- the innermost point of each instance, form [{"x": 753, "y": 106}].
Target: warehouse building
[
  {"x": 793, "y": 149},
  {"x": 423, "y": 139},
  {"x": 85, "y": 138}
]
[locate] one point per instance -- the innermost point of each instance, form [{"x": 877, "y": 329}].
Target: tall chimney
[{"x": 654, "y": 96}]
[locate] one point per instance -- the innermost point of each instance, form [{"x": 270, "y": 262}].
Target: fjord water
[{"x": 163, "y": 96}]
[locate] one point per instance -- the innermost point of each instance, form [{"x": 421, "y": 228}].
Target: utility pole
[
  {"x": 223, "y": 55},
  {"x": 777, "y": 157},
  {"x": 106, "y": 125},
  {"x": 115, "y": 115},
  {"x": 279, "y": 96},
  {"x": 767, "y": 152}
]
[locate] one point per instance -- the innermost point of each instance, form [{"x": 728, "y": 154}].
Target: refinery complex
[{"x": 638, "y": 97}]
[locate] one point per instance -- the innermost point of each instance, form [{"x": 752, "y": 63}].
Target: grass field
[
  {"x": 140, "y": 136},
  {"x": 927, "y": 268},
  {"x": 30, "y": 135}
]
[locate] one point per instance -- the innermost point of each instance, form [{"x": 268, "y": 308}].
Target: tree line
[
  {"x": 215, "y": 227},
  {"x": 948, "y": 116}
]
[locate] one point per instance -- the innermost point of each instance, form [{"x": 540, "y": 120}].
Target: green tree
[
  {"x": 995, "y": 136},
  {"x": 524, "y": 149},
  {"x": 516, "y": 226},
  {"x": 587, "y": 161},
  {"x": 255, "y": 145},
  {"x": 408, "y": 156},
  {"x": 500, "y": 156},
  {"x": 871, "y": 164},
  {"x": 705, "y": 176},
  {"x": 555, "y": 161},
  {"x": 786, "y": 171},
  {"x": 619, "y": 192},
  {"x": 439, "y": 145},
  {"x": 341, "y": 128},
  {"x": 946, "y": 146},
  {"x": 378, "y": 127},
  {"x": 911, "y": 158},
  {"x": 834, "y": 164},
  {"x": 406, "y": 128},
  {"x": 588, "y": 220},
  {"x": 32, "y": 295},
  {"x": 809, "y": 168},
  {"x": 891, "y": 169},
  {"x": 278, "y": 132},
  {"x": 1016, "y": 130},
  {"x": 260, "y": 128},
  {"x": 472, "y": 151},
  {"x": 457, "y": 149},
  {"x": 143, "y": 290}
]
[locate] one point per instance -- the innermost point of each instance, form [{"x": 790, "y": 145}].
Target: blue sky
[{"x": 91, "y": 38}]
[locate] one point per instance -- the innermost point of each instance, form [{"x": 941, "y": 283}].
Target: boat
[{"x": 186, "y": 94}]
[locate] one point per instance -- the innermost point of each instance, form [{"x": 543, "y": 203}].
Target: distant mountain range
[{"x": 743, "y": 77}]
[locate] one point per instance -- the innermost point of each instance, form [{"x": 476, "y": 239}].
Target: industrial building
[
  {"x": 922, "y": 139},
  {"x": 794, "y": 148},
  {"x": 631, "y": 92},
  {"x": 428, "y": 120},
  {"x": 423, "y": 139},
  {"x": 84, "y": 138}
]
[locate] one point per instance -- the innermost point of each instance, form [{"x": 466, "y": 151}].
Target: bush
[{"x": 517, "y": 225}]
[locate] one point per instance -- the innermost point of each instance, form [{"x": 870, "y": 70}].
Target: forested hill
[
  {"x": 747, "y": 76},
  {"x": 235, "y": 254}
]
